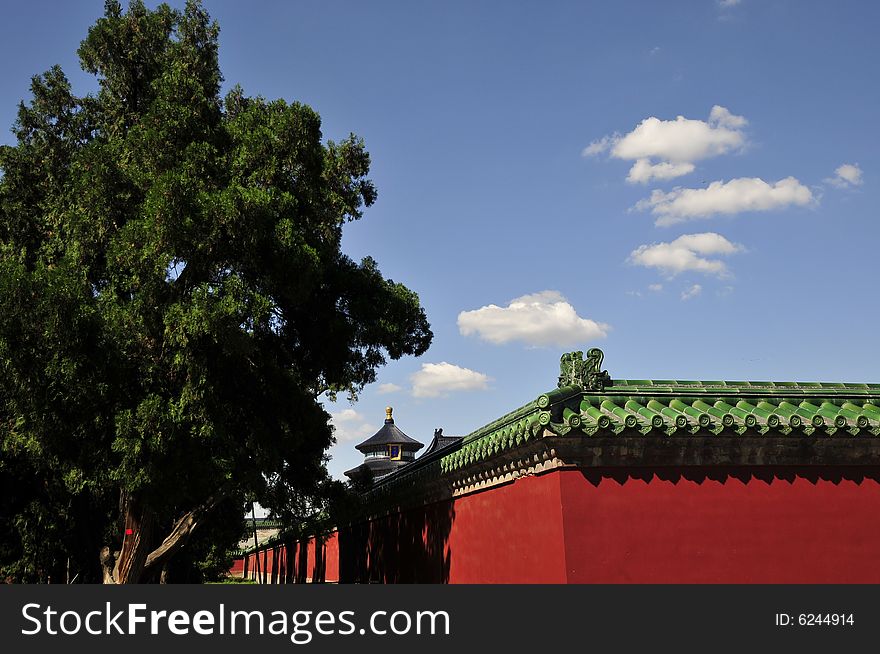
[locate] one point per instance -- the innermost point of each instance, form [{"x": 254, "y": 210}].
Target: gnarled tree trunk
[
  {"x": 138, "y": 535},
  {"x": 136, "y": 558}
]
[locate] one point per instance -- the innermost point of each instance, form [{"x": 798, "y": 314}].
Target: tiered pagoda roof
[
  {"x": 389, "y": 434},
  {"x": 386, "y": 451}
]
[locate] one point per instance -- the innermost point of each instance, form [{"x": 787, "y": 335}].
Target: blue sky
[{"x": 534, "y": 152}]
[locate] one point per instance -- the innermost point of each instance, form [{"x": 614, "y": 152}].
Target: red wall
[
  {"x": 806, "y": 527},
  {"x": 305, "y": 561},
  {"x": 509, "y": 534},
  {"x": 323, "y": 559},
  {"x": 331, "y": 558},
  {"x": 780, "y": 525}
]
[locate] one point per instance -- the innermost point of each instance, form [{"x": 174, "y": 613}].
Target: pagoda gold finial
[{"x": 388, "y": 411}]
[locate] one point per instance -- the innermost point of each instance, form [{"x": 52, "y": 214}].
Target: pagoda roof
[
  {"x": 440, "y": 442},
  {"x": 389, "y": 434},
  {"x": 375, "y": 469}
]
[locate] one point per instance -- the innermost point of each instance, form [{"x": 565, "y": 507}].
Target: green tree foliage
[{"x": 175, "y": 300}]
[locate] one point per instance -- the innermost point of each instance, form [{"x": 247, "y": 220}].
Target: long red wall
[{"x": 610, "y": 526}]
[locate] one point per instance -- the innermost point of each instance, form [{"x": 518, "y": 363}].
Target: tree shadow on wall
[
  {"x": 319, "y": 565},
  {"x": 301, "y": 561},
  {"x": 744, "y": 474},
  {"x": 405, "y": 547}
]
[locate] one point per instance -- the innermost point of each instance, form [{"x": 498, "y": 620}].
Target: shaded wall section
[
  {"x": 509, "y": 534},
  {"x": 308, "y": 560},
  {"x": 404, "y": 547}
]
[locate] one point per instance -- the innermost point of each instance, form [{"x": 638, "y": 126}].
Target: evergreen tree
[{"x": 175, "y": 300}]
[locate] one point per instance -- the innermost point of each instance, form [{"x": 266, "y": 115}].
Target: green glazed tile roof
[
  {"x": 680, "y": 408},
  {"x": 588, "y": 403}
]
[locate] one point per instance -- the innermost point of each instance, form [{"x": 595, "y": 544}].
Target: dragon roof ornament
[{"x": 574, "y": 370}]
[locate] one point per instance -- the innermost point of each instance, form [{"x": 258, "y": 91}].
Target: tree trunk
[
  {"x": 107, "y": 560},
  {"x": 127, "y": 565},
  {"x": 135, "y": 560}
]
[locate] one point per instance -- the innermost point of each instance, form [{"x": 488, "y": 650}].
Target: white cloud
[
  {"x": 440, "y": 379},
  {"x": 688, "y": 252},
  {"x": 349, "y": 425},
  {"x": 384, "y": 389},
  {"x": 721, "y": 116},
  {"x": 683, "y": 139},
  {"x": 599, "y": 146},
  {"x": 846, "y": 176},
  {"x": 347, "y": 415},
  {"x": 643, "y": 171},
  {"x": 656, "y": 288},
  {"x": 665, "y": 149},
  {"x": 544, "y": 318},
  {"x": 691, "y": 292},
  {"x": 735, "y": 196},
  {"x": 726, "y": 4}
]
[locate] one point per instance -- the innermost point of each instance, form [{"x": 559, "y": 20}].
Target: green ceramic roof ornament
[{"x": 574, "y": 370}]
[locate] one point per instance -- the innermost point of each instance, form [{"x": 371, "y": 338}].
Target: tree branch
[
  {"x": 180, "y": 534},
  {"x": 107, "y": 563}
]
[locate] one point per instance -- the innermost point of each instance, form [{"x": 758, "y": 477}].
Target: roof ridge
[
  {"x": 731, "y": 385},
  {"x": 618, "y": 382}
]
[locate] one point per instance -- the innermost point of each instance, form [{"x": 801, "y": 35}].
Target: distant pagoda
[{"x": 384, "y": 452}]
